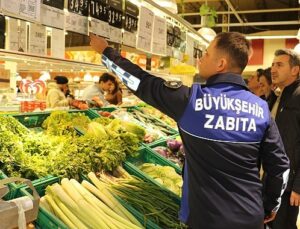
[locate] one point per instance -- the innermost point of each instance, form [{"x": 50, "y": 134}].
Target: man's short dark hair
[
  {"x": 236, "y": 46},
  {"x": 267, "y": 74},
  {"x": 294, "y": 57},
  {"x": 259, "y": 72},
  {"x": 106, "y": 77}
]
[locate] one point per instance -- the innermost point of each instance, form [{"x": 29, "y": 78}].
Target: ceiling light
[
  {"x": 208, "y": 33},
  {"x": 87, "y": 77},
  {"x": 271, "y": 37}
]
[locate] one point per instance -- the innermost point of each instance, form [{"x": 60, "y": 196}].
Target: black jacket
[
  {"x": 288, "y": 122},
  {"x": 221, "y": 189}
]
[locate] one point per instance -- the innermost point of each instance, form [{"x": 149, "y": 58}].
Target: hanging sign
[
  {"x": 145, "y": 29},
  {"x": 52, "y": 13},
  {"x": 130, "y": 24},
  {"x": 76, "y": 18},
  {"x": 24, "y": 9},
  {"x": 37, "y": 41},
  {"x": 58, "y": 43},
  {"x": 159, "y": 39},
  {"x": 16, "y": 38},
  {"x": 99, "y": 17}
]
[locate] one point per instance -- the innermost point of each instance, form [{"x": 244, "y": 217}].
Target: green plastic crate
[
  {"x": 146, "y": 155},
  {"x": 164, "y": 144},
  {"x": 133, "y": 170},
  {"x": 15, "y": 189},
  {"x": 45, "y": 219},
  {"x": 36, "y": 119}
]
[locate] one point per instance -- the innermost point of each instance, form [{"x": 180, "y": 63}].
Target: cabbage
[{"x": 97, "y": 130}]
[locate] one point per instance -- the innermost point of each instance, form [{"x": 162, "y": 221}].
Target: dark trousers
[{"x": 286, "y": 217}]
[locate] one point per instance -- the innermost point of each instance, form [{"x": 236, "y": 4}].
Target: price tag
[
  {"x": 131, "y": 17},
  {"x": 145, "y": 27},
  {"x": 159, "y": 39},
  {"x": 115, "y": 35},
  {"x": 77, "y": 23},
  {"x": 99, "y": 27},
  {"x": 16, "y": 38},
  {"x": 52, "y": 16},
  {"x": 37, "y": 39},
  {"x": 98, "y": 9},
  {"x": 115, "y": 13},
  {"x": 25, "y": 9},
  {"x": 79, "y": 7},
  {"x": 129, "y": 39}
]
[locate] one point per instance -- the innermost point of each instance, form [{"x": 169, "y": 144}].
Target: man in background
[
  {"x": 95, "y": 93},
  {"x": 253, "y": 83},
  {"x": 286, "y": 112},
  {"x": 56, "y": 93}
]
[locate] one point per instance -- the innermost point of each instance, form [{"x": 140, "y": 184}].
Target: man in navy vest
[{"x": 225, "y": 129}]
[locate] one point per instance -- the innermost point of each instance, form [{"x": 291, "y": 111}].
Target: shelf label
[
  {"x": 78, "y": 7},
  {"x": 77, "y": 23},
  {"x": 159, "y": 39},
  {"x": 37, "y": 42},
  {"x": 115, "y": 34},
  {"x": 99, "y": 18},
  {"x": 115, "y": 13},
  {"x": 24, "y": 9},
  {"x": 52, "y": 14},
  {"x": 99, "y": 27},
  {"x": 145, "y": 29}
]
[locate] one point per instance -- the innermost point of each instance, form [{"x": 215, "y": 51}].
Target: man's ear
[
  {"x": 295, "y": 71},
  {"x": 222, "y": 64}
]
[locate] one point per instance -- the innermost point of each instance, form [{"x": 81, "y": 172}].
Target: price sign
[
  {"x": 77, "y": 23},
  {"x": 145, "y": 27},
  {"x": 131, "y": 17},
  {"x": 115, "y": 34},
  {"x": 129, "y": 39},
  {"x": 37, "y": 39},
  {"x": 16, "y": 38},
  {"x": 52, "y": 13},
  {"x": 115, "y": 13},
  {"x": 58, "y": 43},
  {"x": 159, "y": 39},
  {"x": 59, "y": 4},
  {"x": 25, "y": 9},
  {"x": 98, "y": 9},
  {"x": 78, "y": 6}
]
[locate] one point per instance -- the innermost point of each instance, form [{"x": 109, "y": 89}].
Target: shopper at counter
[
  {"x": 224, "y": 129},
  {"x": 114, "y": 95},
  {"x": 94, "y": 94},
  {"x": 286, "y": 111},
  {"x": 56, "y": 93}
]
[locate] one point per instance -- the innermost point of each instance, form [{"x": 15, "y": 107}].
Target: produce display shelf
[{"x": 47, "y": 220}]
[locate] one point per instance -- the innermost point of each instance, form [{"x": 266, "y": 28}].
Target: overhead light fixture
[
  {"x": 208, "y": 33},
  {"x": 87, "y": 77},
  {"x": 170, "y": 5},
  {"x": 271, "y": 37},
  {"x": 45, "y": 76}
]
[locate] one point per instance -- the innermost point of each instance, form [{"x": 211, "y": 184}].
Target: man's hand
[
  {"x": 270, "y": 217},
  {"x": 295, "y": 199},
  {"x": 98, "y": 43}
]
